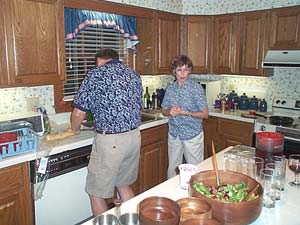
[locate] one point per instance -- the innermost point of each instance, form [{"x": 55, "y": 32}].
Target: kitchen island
[{"x": 285, "y": 212}]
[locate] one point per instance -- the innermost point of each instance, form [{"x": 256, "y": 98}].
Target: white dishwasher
[{"x": 60, "y": 198}]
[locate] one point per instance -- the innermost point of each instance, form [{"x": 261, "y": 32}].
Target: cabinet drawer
[
  {"x": 12, "y": 178},
  {"x": 235, "y": 128},
  {"x": 154, "y": 134}
]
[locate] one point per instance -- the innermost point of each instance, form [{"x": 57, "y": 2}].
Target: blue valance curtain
[{"x": 77, "y": 19}]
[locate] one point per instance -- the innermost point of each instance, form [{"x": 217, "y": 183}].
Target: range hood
[{"x": 281, "y": 58}]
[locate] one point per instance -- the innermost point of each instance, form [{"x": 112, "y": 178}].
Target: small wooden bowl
[
  {"x": 200, "y": 221},
  {"x": 230, "y": 213},
  {"x": 193, "y": 207},
  {"x": 159, "y": 211}
]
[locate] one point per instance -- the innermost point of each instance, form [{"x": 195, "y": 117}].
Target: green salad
[{"x": 225, "y": 193}]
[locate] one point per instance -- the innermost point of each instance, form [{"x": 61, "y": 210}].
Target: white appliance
[
  {"x": 60, "y": 196},
  {"x": 288, "y": 108},
  {"x": 211, "y": 89},
  {"x": 35, "y": 119},
  {"x": 282, "y": 58}
]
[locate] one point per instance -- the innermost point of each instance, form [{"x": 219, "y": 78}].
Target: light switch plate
[{"x": 32, "y": 102}]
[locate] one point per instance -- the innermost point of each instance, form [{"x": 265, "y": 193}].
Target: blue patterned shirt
[
  {"x": 113, "y": 92},
  {"x": 191, "y": 98}
]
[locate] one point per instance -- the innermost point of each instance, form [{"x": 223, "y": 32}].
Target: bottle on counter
[
  {"x": 263, "y": 107},
  {"x": 154, "y": 101},
  {"x": 147, "y": 99}
]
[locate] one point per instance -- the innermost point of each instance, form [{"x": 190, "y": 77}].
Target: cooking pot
[{"x": 278, "y": 120}]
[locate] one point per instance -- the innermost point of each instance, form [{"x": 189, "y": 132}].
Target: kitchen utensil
[
  {"x": 200, "y": 221},
  {"x": 215, "y": 163},
  {"x": 244, "y": 102},
  {"x": 159, "y": 211},
  {"x": 106, "y": 219},
  {"x": 229, "y": 213},
  {"x": 278, "y": 120},
  {"x": 129, "y": 218},
  {"x": 263, "y": 106},
  {"x": 269, "y": 144},
  {"x": 253, "y": 103},
  {"x": 250, "y": 193},
  {"x": 193, "y": 207}
]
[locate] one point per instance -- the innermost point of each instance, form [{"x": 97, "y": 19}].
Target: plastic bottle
[{"x": 146, "y": 99}]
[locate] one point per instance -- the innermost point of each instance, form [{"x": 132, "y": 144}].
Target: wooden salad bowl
[{"x": 230, "y": 213}]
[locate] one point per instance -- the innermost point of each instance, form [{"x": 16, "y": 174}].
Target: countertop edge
[{"x": 85, "y": 138}]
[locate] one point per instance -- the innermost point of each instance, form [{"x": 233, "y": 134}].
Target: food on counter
[
  {"x": 225, "y": 193},
  {"x": 59, "y": 136}
]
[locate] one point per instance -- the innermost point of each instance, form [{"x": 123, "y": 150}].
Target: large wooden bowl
[
  {"x": 229, "y": 213},
  {"x": 159, "y": 211}
]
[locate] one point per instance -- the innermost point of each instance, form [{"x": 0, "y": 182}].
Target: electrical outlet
[{"x": 32, "y": 102}]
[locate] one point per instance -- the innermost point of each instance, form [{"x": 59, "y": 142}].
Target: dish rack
[{"x": 17, "y": 141}]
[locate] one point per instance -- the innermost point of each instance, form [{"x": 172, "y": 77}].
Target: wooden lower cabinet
[
  {"x": 225, "y": 133},
  {"x": 154, "y": 158},
  {"x": 15, "y": 196}
]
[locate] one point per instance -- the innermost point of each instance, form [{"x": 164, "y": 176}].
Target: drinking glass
[
  {"x": 294, "y": 165},
  {"x": 276, "y": 177},
  {"x": 266, "y": 179},
  {"x": 255, "y": 164},
  {"x": 280, "y": 162}
]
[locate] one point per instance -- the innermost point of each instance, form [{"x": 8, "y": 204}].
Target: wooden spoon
[
  {"x": 215, "y": 163},
  {"x": 250, "y": 193}
]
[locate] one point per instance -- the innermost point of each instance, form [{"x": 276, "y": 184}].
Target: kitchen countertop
[
  {"x": 85, "y": 138},
  {"x": 285, "y": 211}
]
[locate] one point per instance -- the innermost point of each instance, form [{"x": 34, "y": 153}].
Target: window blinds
[{"x": 80, "y": 54}]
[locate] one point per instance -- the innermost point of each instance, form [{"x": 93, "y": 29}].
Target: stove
[{"x": 283, "y": 107}]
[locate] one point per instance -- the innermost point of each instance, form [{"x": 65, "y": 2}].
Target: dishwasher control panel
[{"x": 62, "y": 163}]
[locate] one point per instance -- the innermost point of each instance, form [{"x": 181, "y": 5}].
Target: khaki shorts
[{"x": 114, "y": 162}]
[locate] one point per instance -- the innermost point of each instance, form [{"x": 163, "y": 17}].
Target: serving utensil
[
  {"x": 215, "y": 163},
  {"x": 250, "y": 193}
]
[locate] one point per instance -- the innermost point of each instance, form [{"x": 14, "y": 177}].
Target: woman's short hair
[{"x": 179, "y": 61}]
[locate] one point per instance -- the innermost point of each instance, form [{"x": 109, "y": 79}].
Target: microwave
[
  {"x": 34, "y": 118},
  {"x": 211, "y": 89}
]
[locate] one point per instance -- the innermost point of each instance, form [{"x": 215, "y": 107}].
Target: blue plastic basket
[{"x": 27, "y": 141}]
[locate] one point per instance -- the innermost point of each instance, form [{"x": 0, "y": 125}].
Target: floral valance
[{"x": 77, "y": 20}]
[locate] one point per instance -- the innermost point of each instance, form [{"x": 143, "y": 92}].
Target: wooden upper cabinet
[
  {"x": 145, "y": 48},
  {"x": 35, "y": 41},
  {"x": 167, "y": 41},
  {"x": 196, "y": 41},
  {"x": 251, "y": 39},
  {"x": 224, "y": 44},
  {"x": 285, "y": 29}
]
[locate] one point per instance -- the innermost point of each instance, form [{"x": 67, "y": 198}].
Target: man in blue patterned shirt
[
  {"x": 113, "y": 93},
  {"x": 185, "y": 105}
]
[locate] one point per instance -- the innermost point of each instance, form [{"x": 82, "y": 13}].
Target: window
[{"x": 80, "y": 55}]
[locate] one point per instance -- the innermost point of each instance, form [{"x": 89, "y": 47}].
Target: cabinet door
[
  {"x": 225, "y": 44},
  {"x": 285, "y": 29},
  {"x": 15, "y": 196},
  {"x": 36, "y": 41},
  {"x": 233, "y": 132},
  {"x": 145, "y": 48},
  {"x": 210, "y": 128},
  {"x": 168, "y": 40},
  {"x": 196, "y": 41},
  {"x": 251, "y": 49},
  {"x": 154, "y": 159}
]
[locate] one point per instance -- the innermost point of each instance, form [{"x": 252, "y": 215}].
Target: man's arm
[{"x": 76, "y": 119}]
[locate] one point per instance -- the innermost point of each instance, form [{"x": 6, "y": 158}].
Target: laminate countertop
[
  {"x": 86, "y": 137},
  {"x": 285, "y": 212}
]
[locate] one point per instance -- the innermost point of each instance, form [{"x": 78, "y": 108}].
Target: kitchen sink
[{"x": 149, "y": 118}]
